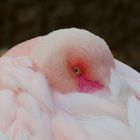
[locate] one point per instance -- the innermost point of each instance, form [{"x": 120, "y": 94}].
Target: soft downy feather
[
  {"x": 132, "y": 80},
  {"x": 30, "y": 111},
  {"x": 100, "y": 117},
  {"x": 134, "y": 116},
  {"x": 25, "y": 102}
]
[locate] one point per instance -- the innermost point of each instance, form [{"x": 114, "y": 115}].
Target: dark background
[{"x": 117, "y": 21}]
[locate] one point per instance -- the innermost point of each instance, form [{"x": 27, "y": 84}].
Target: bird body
[{"x": 67, "y": 86}]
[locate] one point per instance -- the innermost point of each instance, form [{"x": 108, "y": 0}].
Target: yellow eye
[{"x": 76, "y": 71}]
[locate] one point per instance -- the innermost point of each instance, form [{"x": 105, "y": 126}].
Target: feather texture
[{"x": 32, "y": 111}]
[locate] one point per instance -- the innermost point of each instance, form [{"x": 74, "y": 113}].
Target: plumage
[{"x": 43, "y": 96}]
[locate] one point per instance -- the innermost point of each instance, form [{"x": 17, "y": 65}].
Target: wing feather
[
  {"x": 131, "y": 76},
  {"x": 25, "y": 101}
]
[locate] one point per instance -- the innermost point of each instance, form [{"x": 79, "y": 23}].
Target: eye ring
[{"x": 76, "y": 71}]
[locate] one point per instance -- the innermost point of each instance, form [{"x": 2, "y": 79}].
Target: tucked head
[{"x": 71, "y": 59}]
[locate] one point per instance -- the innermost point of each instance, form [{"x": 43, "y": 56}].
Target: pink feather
[{"x": 32, "y": 108}]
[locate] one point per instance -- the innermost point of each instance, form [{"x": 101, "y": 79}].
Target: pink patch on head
[{"x": 89, "y": 86}]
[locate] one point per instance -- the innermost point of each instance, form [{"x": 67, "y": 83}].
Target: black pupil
[{"x": 76, "y": 70}]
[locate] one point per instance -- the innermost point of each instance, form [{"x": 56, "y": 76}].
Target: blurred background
[{"x": 117, "y": 21}]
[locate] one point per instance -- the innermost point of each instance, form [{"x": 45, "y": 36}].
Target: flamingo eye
[{"x": 76, "y": 71}]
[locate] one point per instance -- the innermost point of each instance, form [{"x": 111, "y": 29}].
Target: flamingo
[{"x": 67, "y": 86}]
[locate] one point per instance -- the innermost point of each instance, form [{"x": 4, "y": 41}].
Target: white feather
[
  {"x": 30, "y": 111},
  {"x": 134, "y": 116}
]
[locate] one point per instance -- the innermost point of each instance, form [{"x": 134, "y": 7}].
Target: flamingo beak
[{"x": 88, "y": 86}]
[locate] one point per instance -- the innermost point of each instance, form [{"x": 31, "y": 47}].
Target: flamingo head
[{"x": 71, "y": 59}]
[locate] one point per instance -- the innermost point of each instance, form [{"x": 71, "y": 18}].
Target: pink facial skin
[
  {"x": 88, "y": 86},
  {"x": 85, "y": 81}
]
